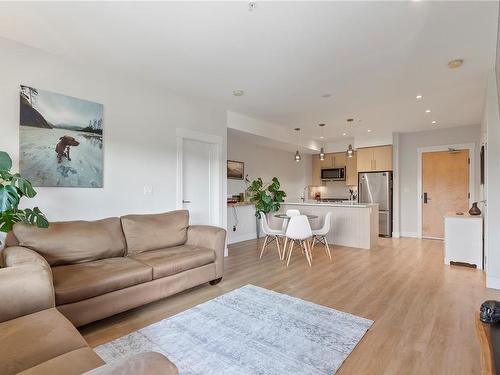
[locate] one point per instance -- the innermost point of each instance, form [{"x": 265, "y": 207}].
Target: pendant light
[
  {"x": 322, "y": 150},
  {"x": 297, "y": 153},
  {"x": 350, "y": 152}
]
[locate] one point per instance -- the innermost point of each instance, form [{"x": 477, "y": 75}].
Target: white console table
[{"x": 463, "y": 239}]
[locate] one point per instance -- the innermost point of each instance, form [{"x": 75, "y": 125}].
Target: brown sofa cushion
[
  {"x": 32, "y": 339},
  {"x": 167, "y": 262},
  {"x": 73, "y": 242},
  {"x": 77, "y": 282},
  {"x": 157, "y": 231},
  {"x": 75, "y": 362}
]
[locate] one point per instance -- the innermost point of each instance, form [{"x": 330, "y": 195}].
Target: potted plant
[
  {"x": 12, "y": 188},
  {"x": 267, "y": 197}
]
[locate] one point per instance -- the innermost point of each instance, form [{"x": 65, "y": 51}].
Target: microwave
[{"x": 333, "y": 174}]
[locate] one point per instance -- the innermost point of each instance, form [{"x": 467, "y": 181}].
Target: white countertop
[
  {"x": 332, "y": 204},
  {"x": 466, "y": 215}
]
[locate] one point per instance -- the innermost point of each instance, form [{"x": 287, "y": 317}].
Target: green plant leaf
[
  {"x": 35, "y": 217},
  {"x": 7, "y": 221},
  {"x": 24, "y": 186},
  {"x": 9, "y": 197},
  {"x": 5, "y": 161}
]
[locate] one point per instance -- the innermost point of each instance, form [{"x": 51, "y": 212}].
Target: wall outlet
[
  {"x": 234, "y": 228},
  {"x": 148, "y": 190}
]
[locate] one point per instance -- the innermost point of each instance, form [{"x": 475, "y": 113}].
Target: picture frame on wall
[
  {"x": 235, "y": 170},
  {"x": 60, "y": 139}
]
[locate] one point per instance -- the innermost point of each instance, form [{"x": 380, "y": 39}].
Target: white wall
[
  {"x": 266, "y": 162},
  {"x": 408, "y": 161},
  {"x": 139, "y": 133},
  {"x": 491, "y": 128}
]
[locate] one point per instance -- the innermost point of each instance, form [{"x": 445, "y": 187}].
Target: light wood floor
[{"x": 423, "y": 310}]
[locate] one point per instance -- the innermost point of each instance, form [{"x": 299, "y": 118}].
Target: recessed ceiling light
[
  {"x": 326, "y": 95},
  {"x": 418, "y": 97},
  {"x": 238, "y": 92},
  {"x": 427, "y": 111},
  {"x": 344, "y": 134},
  {"x": 369, "y": 130},
  {"x": 321, "y": 137},
  {"x": 434, "y": 122},
  {"x": 457, "y": 63}
]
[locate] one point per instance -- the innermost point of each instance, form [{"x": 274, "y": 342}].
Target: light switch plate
[{"x": 148, "y": 190}]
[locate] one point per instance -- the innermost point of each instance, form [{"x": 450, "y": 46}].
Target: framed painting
[
  {"x": 60, "y": 140},
  {"x": 235, "y": 170}
]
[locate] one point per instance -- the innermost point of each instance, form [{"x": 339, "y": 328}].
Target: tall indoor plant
[
  {"x": 12, "y": 188},
  {"x": 266, "y": 197}
]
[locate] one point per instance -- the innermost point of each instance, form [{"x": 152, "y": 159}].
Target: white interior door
[{"x": 197, "y": 175}]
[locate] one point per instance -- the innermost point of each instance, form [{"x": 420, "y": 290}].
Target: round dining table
[
  {"x": 286, "y": 219},
  {"x": 285, "y": 216}
]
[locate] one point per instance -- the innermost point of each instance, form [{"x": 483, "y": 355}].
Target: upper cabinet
[
  {"x": 336, "y": 160},
  {"x": 374, "y": 159},
  {"x": 328, "y": 162}
]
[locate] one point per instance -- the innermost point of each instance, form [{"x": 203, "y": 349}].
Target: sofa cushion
[
  {"x": 77, "y": 282},
  {"x": 75, "y": 362},
  {"x": 35, "y": 338},
  {"x": 157, "y": 231},
  {"x": 73, "y": 242},
  {"x": 166, "y": 262}
]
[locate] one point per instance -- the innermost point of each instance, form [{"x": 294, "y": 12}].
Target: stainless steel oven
[{"x": 333, "y": 174}]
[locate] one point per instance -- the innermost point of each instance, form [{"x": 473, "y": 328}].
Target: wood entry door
[{"x": 445, "y": 187}]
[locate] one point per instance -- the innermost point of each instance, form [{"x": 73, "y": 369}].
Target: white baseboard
[
  {"x": 242, "y": 237},
  {"x": 492, "y": 282},
  {"x": 395, "y": 235},
  {"x": 410, "y": 234}
]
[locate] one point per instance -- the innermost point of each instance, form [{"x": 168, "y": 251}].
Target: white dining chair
[
  {"x": 289, "y": 213},
  {"x": 271, "y": 235},
  {"x": 319, "y": 235},
  {"x": 299, "y": 230}
]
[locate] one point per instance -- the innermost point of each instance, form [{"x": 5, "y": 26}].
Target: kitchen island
[{"x": 353, "y": 224}]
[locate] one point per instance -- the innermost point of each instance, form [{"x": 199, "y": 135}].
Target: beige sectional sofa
[
  {"x": 36, "y": 339},
  {"x": 100, "y": 268}
]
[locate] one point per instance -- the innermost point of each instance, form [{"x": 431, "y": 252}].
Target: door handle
[
  {"x": 426, "y": 198},
  {"x": 183, "y": 201}
]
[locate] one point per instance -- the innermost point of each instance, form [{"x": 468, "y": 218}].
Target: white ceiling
[{"x": 372, "y": 57}]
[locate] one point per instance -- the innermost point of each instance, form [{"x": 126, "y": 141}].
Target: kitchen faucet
[{"x": 304, "y": 193}]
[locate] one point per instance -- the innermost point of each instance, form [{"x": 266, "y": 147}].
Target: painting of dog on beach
[{"x": 61, "y": 143}]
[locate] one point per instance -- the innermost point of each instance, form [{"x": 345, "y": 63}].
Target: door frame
[
  {"x": 472, "y": 173},
  {"x": 216, "y": 191}
]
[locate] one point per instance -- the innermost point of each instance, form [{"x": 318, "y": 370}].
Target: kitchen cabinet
[
  {"x": 351, "y": 170},
  {"x": 339, "y": 160},
  {"x": 374, "y": 159},
  {"x": 335, "y": 160},
  {"x": 328, "y": 162},
  {"x": 316, "y": 170}
]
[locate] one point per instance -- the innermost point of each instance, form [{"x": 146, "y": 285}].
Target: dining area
[{"x": 295, "y": 233}]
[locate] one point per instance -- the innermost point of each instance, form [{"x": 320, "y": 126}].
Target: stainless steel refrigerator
[{"x": 376, "y": 187}]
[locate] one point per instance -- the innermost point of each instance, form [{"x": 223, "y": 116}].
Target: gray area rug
[{"x": 249, "y": 331}]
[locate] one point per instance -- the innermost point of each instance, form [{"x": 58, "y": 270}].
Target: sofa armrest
[
  {"x": 140, "y": 364},
  {"x": 18, "y": 255},
  {"x": 25, "y": 289},
  {"x": 210, "y": 237}
]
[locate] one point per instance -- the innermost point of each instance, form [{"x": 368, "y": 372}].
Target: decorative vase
[{"x": 474, "y": 210}]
